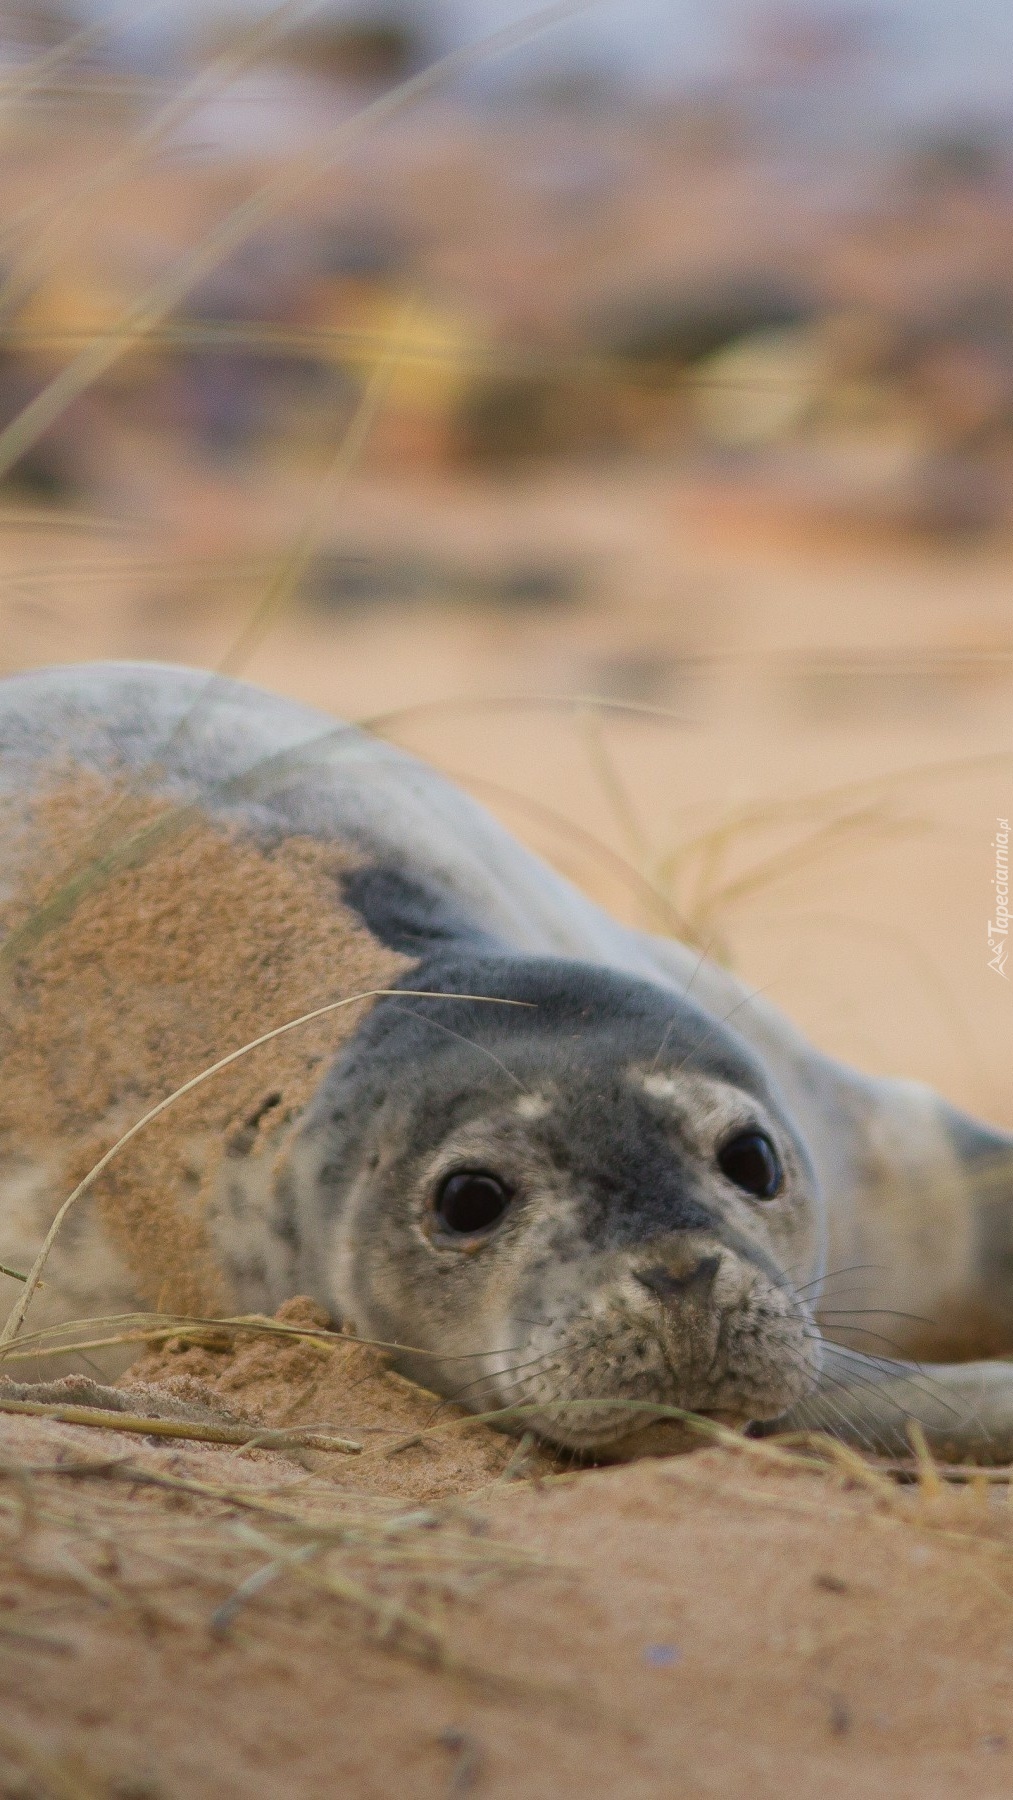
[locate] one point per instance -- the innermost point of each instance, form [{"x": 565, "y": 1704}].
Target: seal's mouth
[
  {"x": 626, "y": 1374},
  {"x": 611, "y": 1430},
  {"x": 608, "y": 1431}
]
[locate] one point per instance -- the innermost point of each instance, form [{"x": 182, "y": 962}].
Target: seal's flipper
[{"x": 964, "y": 1409}]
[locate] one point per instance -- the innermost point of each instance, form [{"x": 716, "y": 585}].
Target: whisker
[
  {"x": 504, "y": 1374},
  {"x": 834, "y": 1274},
  {"x": 861, "y": 1331},
  {"x": 841, "y": 1294},
  {"x": 666, "y": 1034},
  {"x": 874, "y": 1312},
  {"x": 912, "y": 1375},
  {"x": 869, "y": 1436},
  {"x": 809, "y": 1415},
  {"x": 698, "y": 965},
  {"x": 718, "y": 1024}
]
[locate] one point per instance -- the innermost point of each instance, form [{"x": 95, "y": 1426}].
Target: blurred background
[{"x": 618, "y": 413}]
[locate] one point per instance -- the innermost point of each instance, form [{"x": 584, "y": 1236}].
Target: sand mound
[
  {"x": 200, "y": 1623},
  {"x": 415, "y": 1446}
]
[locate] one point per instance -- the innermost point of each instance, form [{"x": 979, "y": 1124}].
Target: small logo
[{"x": 998, "y": 928}]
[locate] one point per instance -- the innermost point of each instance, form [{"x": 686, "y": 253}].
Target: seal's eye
[
  {"x": 750, "y": 1160},
  {"x": 471, "y": 1201}
]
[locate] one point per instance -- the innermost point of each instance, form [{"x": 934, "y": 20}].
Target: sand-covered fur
[{"x": 191, "y": 944}]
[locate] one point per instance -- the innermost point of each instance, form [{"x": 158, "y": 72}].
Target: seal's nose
[{"x": 666, "y": 1284}]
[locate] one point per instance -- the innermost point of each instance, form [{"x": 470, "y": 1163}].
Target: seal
[{"x": 561, "y": 1167}]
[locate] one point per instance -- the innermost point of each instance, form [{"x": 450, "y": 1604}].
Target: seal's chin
[
  {"x": 623, "y": 1428},
  {"x": 627, "y": 1441},
  {"x": 662, "y": 1437}
]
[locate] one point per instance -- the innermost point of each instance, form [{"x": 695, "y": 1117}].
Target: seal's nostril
[{"x": 665, "y": 1284}]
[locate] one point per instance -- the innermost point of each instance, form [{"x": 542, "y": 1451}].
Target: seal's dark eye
[
  {"x": 471, "y": 1201},
  {"x": 751, "y": 1161}
]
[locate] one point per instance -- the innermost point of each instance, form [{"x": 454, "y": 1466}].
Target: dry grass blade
[
  {"x": 958, "y": 1474},
  {"x": 941, "y": 989},
  {"x": 822, "y": 841},
  {"x": 380, "y": 724},
  {"x": 151, "y": 1329},
  {"x": 26, "y": 518},
  {"x": 817, "y": 803},
  {"x": 406, "y": 1537},
  {"x": 614, "y": 789},
  {"x": 337, "y": 343},
  {"x": 659, "y": 910},
  {"x": 392, "y": 1620},
  {"x": 224, "y": 1617},
  {"x": 289, "y": 570},
  {"x": 693, "y": 871},
  {"x": 126, "y": 1469},
  {"x": 928, "y": 1475},
  {"x": 250, "y": 1437},
  {"x": 639, "y": 1411},
  {"x": 146, "y": 1328},
  {"x": 16, "y": 1318},
  {"x": 858, "y": 1468},
  {"x": 395, "y": 1624},
  {"x": 198, "y": 572}
]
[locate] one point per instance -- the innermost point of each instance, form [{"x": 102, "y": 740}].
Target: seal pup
[{"x": 569, "y": 1168}]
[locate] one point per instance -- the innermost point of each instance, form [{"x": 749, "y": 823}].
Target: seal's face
[{"x": 586, "y": 1213}]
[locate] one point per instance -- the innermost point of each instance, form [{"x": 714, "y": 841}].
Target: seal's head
[{"x": 581, "y": 1197}]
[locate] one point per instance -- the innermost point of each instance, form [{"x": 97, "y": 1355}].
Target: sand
[
  {"x": 452, "y": 1619},
  {"x": 415, "y": 1446}
]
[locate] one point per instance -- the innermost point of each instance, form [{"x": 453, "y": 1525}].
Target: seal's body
[{"x": 571, "y": 1166}]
